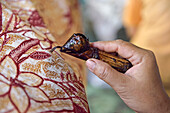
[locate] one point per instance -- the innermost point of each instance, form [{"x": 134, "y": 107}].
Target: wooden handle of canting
[{"x": 118, "y": 63}]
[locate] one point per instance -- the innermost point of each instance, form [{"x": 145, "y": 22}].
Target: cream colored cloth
[
  {"x": 154, "y": 33},
  {"x": 132, "y": 13},
  {"x": 32, "y": 79}
]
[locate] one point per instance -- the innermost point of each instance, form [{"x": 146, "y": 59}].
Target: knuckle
[
  {"x": 150, "y": 54},
  {"x": 123, "y": 43},
  {"x": 120, "y": 41}
]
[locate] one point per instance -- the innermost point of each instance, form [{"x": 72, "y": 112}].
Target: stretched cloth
[{"x": 32, "y": 79}]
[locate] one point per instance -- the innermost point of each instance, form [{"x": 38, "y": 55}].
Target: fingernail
[{"x": 90, "y": 64}]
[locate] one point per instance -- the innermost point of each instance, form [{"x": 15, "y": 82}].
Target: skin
[{"x": 140, "y": 87}]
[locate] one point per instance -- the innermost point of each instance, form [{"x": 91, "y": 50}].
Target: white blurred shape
[{"x": 106, "y": 17}]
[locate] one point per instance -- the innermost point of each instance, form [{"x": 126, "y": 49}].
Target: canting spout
[{"x": 55, "y": 48}]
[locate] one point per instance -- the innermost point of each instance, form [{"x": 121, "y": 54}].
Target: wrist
[
  {"x": 166, "y": 106},
  {"x": 158, "y": 104},
  {"x": 161, "y": 105}
]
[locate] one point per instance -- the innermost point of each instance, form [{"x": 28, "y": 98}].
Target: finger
[
  {"x": 124, "y": 49},
  {"x": 118, "y": 46},
  {"x": 104, "y": 45},
  {"x": 105, "y": 72}
]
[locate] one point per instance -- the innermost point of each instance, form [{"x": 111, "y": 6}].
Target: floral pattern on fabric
[{"x": 31, "y": 78}]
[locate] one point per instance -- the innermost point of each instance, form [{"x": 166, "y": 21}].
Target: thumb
[{"x": 105, "y": 72}]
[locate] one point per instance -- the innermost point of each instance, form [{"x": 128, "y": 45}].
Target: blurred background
[{"x": 145, "y": 23}]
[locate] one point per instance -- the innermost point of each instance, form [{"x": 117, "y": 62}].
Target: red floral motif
[
  {"x": 17, "y": 83},
  {"x": 38, "y": 55},
  {"x": 31, "y": 89},
  {"x": 29, "y": 86},
  {"x": 22, "y": 48},
  {"x": 36, "y": 20}
]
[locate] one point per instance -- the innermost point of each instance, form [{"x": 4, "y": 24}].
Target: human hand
[{"x": 140, "y": 87}]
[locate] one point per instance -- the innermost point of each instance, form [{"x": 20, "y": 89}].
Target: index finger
[{"x": 124, "y": 49}]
